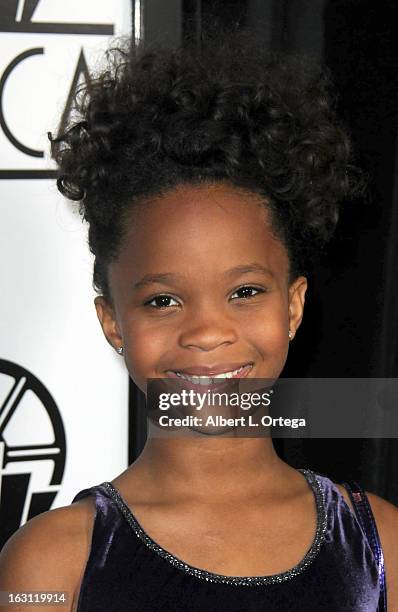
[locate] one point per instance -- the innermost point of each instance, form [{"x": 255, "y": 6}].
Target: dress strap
[{"x": 365, "y": 517}]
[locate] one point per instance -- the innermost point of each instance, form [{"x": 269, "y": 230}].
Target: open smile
[{"x": 213, "y": 375}]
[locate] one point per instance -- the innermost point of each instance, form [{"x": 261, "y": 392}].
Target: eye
[
  {"x": 162, "y": 302},
  {"x": 247, "y": 291}
]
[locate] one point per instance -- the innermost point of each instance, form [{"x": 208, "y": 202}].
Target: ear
[
  {"x": 107, "y": 318},
  {"x": 296, "y": 302}
]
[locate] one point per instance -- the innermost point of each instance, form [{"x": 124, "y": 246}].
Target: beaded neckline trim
[{"x": 236, "y": 580}]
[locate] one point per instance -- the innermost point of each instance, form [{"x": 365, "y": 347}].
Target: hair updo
[{"x": 227, "y": 111}]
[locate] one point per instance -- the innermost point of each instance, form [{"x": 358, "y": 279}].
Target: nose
[{"x": 206, "y": 331}]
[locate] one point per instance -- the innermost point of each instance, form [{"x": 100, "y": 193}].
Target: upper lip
[{"x": 214, "y": 369}]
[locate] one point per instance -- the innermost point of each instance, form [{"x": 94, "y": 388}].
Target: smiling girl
[{"x": 209, "y": 180}]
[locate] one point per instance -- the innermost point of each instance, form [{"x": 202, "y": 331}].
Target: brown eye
[
  {"x": 247, "y": 291},
  {"x": 161, "y": 301}
]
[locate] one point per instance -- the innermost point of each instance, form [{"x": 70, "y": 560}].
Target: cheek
[
  {"x": 269, "y": 326},
  {"x": 267, "y": 332},
  {"x": 270, "y": 339},
  {"x": 145, "y": 347}
]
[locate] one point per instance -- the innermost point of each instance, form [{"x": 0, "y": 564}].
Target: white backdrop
[{"x": 63, "y": 390}]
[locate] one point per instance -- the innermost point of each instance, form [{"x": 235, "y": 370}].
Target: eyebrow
[{"x": 165, "y": 277}]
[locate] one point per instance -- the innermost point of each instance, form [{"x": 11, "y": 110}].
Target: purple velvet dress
[{"x": 128, "y": 571}]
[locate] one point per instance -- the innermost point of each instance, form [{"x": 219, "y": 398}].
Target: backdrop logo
[
  {"x": 32, "y": 448},
  {"x": 18, "y": 16},
  {"x": 21, "y": 121}
]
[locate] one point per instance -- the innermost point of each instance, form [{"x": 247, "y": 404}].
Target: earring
[
  {"x": 290, "y": 334},
  {"x": 120, "y": 350}
]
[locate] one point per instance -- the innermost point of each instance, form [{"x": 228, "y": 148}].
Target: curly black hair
[{"x": 227, "y": 111}]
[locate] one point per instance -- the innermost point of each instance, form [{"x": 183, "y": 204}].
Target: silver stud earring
[
  {"x": 290, "y": 334},
  {"x": 120, "y": 350}
]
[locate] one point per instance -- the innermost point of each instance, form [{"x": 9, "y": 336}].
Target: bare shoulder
[
  {"x": 386, "y": 518},
  {"x": 49, "y": 552}
]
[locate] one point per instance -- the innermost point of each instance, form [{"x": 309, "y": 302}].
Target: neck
[{"x": 204, "y": 467}]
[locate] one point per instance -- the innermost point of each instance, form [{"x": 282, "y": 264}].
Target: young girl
[{"x": 209, "y": 180}]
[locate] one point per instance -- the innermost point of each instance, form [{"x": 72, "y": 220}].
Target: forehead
[{"x": 201, "y": 225}]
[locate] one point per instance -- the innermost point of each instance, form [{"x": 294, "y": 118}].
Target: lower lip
[{"x": 222, "y": 381}]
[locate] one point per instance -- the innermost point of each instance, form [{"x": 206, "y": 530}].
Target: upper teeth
[{"x": 208, "y": 380}]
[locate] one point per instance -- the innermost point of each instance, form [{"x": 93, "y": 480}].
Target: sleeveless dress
[{"x": 128, "y": 571}]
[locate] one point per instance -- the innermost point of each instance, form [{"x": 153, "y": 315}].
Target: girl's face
[{"x": 201, "y": 282}]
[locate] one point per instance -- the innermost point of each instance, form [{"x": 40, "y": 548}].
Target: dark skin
[
  {"x": 202, "y": 235},
  {"x": 227, "y": 505}
]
